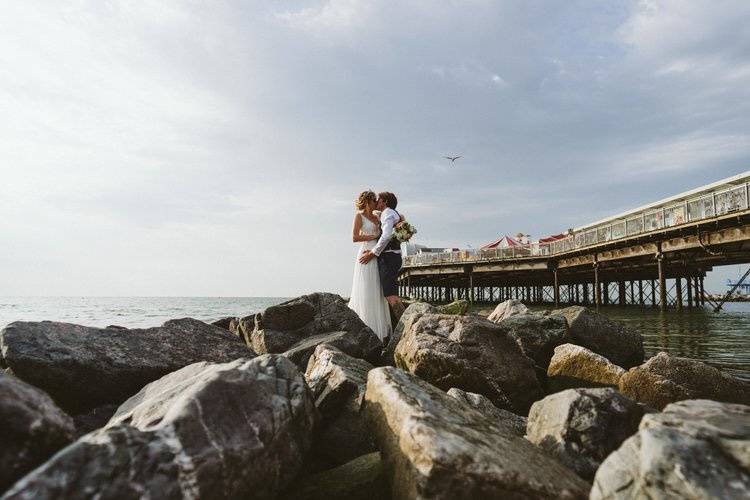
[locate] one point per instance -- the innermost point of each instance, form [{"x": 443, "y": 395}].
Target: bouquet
[{"x": 404, "y": 231}]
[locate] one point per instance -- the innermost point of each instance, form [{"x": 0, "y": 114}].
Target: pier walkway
[{"x": 657, "y": 255}]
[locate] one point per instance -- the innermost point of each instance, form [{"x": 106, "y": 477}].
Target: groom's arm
[{"x": 388, "y": 224}]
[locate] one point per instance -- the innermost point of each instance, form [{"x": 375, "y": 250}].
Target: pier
[{"x": 656, "y": 255}]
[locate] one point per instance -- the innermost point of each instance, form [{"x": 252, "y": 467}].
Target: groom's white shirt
[{"x": 388, "y": 220}]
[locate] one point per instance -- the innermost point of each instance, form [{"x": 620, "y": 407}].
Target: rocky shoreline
[{"x": 303, "y": 401}]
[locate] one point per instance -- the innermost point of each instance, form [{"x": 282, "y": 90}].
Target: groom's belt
[{"x": 392, "y": 251}]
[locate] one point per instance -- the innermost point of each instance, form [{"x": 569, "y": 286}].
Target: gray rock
[
  {"x": 208, "y": 431},
  {"x": 666, "y": 379},
  {"x": 32, "y": 428},
  {"x": 338, "y": 382},
  {"x": 581, "y": 427},
  {"x": 83, "y": 367},
  {"x": 507, "y": 309},
  {"x": 472, "y": 354},
  {"x": 350, "y": 344},
  {"x": 410, "y": 315},
  {"x": 93, "y": 419},
  {"x": 515, "y": 423},
  {"x": 574, "y": 366},
  {"x": 695, "y": 449},
  {"x": 598, "y": 333},
  {"x": 537, "y": 335},
  {"x": 280, "y": 328},
  {"x": 434, "y": 446},
  {"x": 224, "y": 323},
  {"x": 360, "y": 479}
]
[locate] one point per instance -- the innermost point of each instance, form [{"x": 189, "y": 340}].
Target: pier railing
[{"x": 721, "y": 200}]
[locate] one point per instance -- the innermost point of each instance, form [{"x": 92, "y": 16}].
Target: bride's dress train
[{"x": 367, "y": 298}]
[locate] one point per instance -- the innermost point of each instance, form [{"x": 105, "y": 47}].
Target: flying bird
[{"x": 452, "y": 158}]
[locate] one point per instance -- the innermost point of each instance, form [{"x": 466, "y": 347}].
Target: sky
[{"x": 215, "y": 148}]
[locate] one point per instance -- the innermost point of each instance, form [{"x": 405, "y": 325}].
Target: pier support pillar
[
  {"x": 640, "y": 292},
  {"x": 662, "y": 281},
  {"x": 471, "y": 287},
  {"x": 621, "y": 293},
  {"x": 689, "y": 285},
  {"x": 556, "y": 292},
  {"x": 678, "y": 292},
  {"x": 653, "y": 293},
  {"x": 597, "y": 286}
]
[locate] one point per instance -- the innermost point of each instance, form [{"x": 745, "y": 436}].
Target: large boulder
[
  {"x": 279, "y": 328},
  {"x": 231, "y": 430},
  {"x": 507, "y": 309},
  {"x": 695, "y": 449},
  {"x": 580, "y": 427},
  {"x": 596, "y": 332},
  {"x": 338, "y": 383},
  {"x": 473, "y": 354},
  {"x": 32, "y": 428},
  {"x": 359, "y": 479},
  {"x": 666, "y": 379},
  {"x": 410, "y": 315},
  {"x": 574, "y": 366},
  {"x": 300, "y": 352},
  {"x": 83, "y": 367},
  {"x": 537, "y": 335},
  {"x": 515, "y": 423},
  {"x": 434, "y": 446}
]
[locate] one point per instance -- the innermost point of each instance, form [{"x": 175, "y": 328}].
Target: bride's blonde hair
[{"x": 363, "y": 198}]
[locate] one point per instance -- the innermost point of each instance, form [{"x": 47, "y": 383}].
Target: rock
[
  {"x": 434, "y": 446},
  {"x": 537, "y": 335},
  {"x": 32, "y": 428},
  {"x": 93, "y": 419},
  {"x": 280, "y": 328},
  {"x": 458, "y": 307},
  {"x": 602, "y": 335},
  {"x": 515, "y": 423},
  {"x": 83, "y": 367},
  {"x": 472, "y": 354},
  {"x": 410, "y": 315},
  {"x": 666, "y": 379},
  {"x": 224, "y": 323},
  {"x": 230, "y": 430},
  {"x": 507, "y": 309},
  {"x": 580, "y": 427},
  {"x": 115, "y": 327},
  {"x": 360, "y": 479},
  {"x": 575, "y": 366},
  {"x": 301, "y": 351},
  {"x": 695, "y": 449},
  {"x": 338, "y": 382}
]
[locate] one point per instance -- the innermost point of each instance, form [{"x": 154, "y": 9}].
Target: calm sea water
[{"x": 722, "y": 339}]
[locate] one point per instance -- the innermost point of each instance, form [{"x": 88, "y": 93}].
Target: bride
[{"x": 367, "y": 298}]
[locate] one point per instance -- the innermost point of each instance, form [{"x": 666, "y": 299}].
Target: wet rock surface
[
  {"x": 574, "y": 366},
  {"x": 284, "y": 327},
  {"x": 32, "y": 428},
  {"x": 596, "y": 332},
  {"x": 516, "y": 423},
  {"x": 83, "y": 367},
  {"x": 507, "y": 309},
  {"x": 666, "y": 379},
  {"x": 581, "y": 427},
  {"x": 434, "y": 446},
  {"x": 338, "y": 382},
  {"x": 695, "y": 449},
  {"x": 472, "y": 354},
  {"x": 208, "y": 430},
  {"x": 459, "y": 307}
]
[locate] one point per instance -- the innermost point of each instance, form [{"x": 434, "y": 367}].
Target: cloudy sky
[{"x": 215, "y": 148}]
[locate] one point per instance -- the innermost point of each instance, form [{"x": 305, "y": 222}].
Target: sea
[{"x": 720, "y": 339}]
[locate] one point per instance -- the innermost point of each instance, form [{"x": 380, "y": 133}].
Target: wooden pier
[{"x": 657, "y": 255}]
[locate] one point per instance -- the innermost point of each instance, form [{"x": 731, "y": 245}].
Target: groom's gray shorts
[{"x": 389, "y": 264}]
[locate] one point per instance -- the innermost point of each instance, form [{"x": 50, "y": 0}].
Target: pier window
[
  {"x": 653, "y": 221},
  {"x": 674, "y": 215},
  {"x": 701, "y": 208},
  {"x": 635, "y": 226},
  {"x": 604, "y": 234},
  {"x": 731, "y": 200},
  {"x": 618, "y": 230},
  {"x": 590, "y": 237}
]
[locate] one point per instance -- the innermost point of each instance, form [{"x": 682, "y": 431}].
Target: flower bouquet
[{"x": 404, "y": 231}]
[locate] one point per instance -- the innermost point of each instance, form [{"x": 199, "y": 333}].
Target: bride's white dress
[{"x": 367, "y": 298}]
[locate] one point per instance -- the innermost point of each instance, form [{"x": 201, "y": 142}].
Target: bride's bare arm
[{"x": 356, "y": 228}]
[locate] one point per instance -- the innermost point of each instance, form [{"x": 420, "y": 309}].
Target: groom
[{"x": 387, "y": 251}]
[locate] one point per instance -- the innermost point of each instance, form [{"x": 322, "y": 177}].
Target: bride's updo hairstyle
[{"x": 363, "y": 198}]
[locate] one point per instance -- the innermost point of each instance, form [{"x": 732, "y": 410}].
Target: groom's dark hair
[{"x": 389, "y": 199}]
